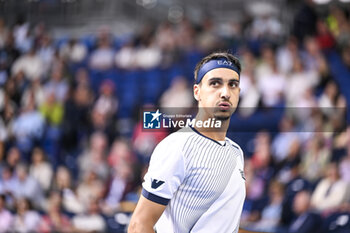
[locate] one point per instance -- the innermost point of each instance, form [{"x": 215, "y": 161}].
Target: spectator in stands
[
  {"x": 271, "y": 86},
  {"x": 90, "y": 188},
  {"x": 62, "y": 179},
  {"x": 261, "y": 157},
  {"x": 337, "y": 221},
  {"x": 52, "y": 109},
  {"x": 40, "y": 169},
  {"x": 121, "y": 177},
  {"x": 26, "y": 219},
  {"x": 339, "y": 25},
  {"x": 306, "y": 220},
  {"x": 166, "y": 40},
  {"x": 6, "y": 217},
  {"x": 328, "y": 99},
  {"x": 28, "y": 127},
  {"x": 286, "y": 54},
  {"x": 250, "y": 98},
  {"x": 299, "y": 81},
  {"x": 107, "y": 102},
  {"x": 344, "y": 167},
  {"x": 271, "y": 214},
  {"x": 102, "y": 58},
  {"x": 148, "y": 55},
  {"x": 57, "y": 85},
  {"x": 346, "y": 56},
  {"x": 34, "y": 91},
  {"x": 63, "y": 183},
  {"x": 284, "y": 169},
  {"x": 312, "y": 56},
  {"x": 296, "y": 184},
  {"x": 331, "y": 191},
  {"x": 93, "y": 158},
  {"x": 315, "y": 159},
  {"x": 261, "y": 166},
  {"x": 324, "y": 37},
  {"x": 267, "y": 28},
  {"x": 76, "y": 121},
  {"x": 305, "y": 20},
  {"x": 102, "y": 122},
  {"x": 54, "y": 220},
  {"x": 12, "y": 93},
  {"x": 82, "y": 78},
  {"x": 13, "y": 157},
  {"x": 207, "y": 39},
  {"x": 249, "y": 95},
  {"x": 125, "y": 56},
  {"x": 92, "y": 221},
  {"x": 46, "y": 52},
  {"x": 27, "y": 187},
  {"x": 177, "y": 97},
  {"x": 266, "y": 62},
  {"x": 21, "y": 82},
  {"x": 73, "y": 51},
  {"x": 185, "y": 35},
  {"x": 4, "y": 31},
  {"x": 283, "y": 141},
  {"x": 253, "y": 190},
  {"x": 31, "y": 64},
  {"x": 121, "y": 152},
  {"x": 3, "y": 72},
  {"x": 21, "y": 32},
  {"x": 7, "y": 182},
  {"x": 9, "y": 53}
]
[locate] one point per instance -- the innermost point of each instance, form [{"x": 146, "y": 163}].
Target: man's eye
[
  {"x": 234, "y": 84},
  {"x": 215, "y": 83}
]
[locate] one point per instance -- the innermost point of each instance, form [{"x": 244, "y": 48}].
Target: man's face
[{"x": 218, "y": 93}]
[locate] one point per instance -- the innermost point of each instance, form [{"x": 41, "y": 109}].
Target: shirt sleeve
[{"x": 166, "y": 171}]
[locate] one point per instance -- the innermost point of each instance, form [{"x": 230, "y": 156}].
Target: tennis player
[{"x": 195, "y": 180}]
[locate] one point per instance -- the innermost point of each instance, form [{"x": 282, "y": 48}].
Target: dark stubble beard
[{"x": 222, "y": 118}]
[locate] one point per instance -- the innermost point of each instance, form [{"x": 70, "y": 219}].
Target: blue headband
[{"x": 214, "y": 64}]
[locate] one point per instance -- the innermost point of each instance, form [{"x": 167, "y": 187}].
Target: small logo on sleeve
[
  {"x": 242, "y": 173},
  {"x": 156, "y": 183}
]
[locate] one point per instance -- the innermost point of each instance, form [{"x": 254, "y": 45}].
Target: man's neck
[{"x": 217, "y": 134}]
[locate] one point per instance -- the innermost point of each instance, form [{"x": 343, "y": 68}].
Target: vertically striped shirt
[{"x": 200, "y": 180}]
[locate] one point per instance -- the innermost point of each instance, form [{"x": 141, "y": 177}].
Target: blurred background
[{"x": 74, "y": 76}]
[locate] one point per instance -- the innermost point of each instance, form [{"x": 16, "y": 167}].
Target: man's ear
[{"x": 196, "y": 91}]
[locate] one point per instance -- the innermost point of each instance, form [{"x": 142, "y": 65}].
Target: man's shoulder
[
  {"x": 237, "y": 147},
  {"x": 233, "y": 144}
]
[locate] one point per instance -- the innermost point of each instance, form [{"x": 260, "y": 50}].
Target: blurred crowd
[{"x": 73, "y": 151}]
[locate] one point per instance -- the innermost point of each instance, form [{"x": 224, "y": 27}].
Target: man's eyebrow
[
  {"x": 221, "y": 79},
  {"x": 234, "y": 80},
  {"x": 215, "y": 79}
]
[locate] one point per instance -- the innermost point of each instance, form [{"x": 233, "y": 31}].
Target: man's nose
[{"x": 225, "y": 93}]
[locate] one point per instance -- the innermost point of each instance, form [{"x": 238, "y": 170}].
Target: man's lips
[{"x": 224, "y": 106}]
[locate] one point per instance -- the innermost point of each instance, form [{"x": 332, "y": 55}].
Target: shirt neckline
[{"x": 196, "y": 131}]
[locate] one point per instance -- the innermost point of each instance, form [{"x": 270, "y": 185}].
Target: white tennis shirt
[{"x": 200, "y": 180}]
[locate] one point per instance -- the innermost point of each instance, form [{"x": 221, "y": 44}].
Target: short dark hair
[{"x": 214, "y": 56}]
